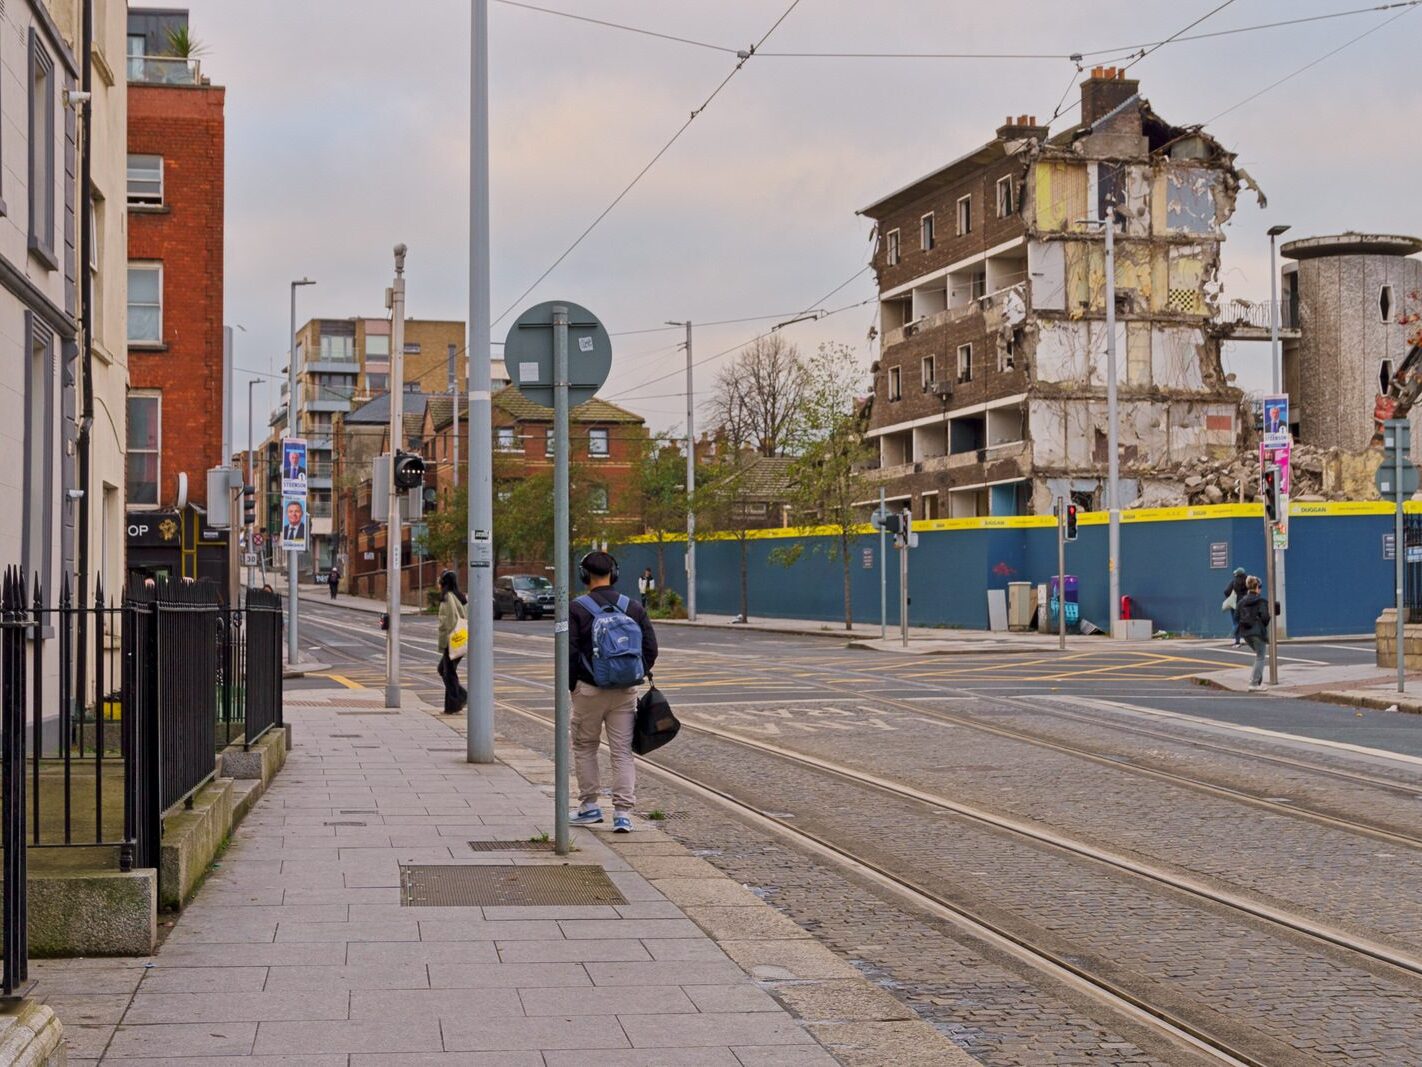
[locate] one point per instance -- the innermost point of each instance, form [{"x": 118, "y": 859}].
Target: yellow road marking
[{"x": 342, "y": 679}]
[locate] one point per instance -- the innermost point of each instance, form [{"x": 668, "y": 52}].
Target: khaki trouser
[{"x": 615, "y": 709}]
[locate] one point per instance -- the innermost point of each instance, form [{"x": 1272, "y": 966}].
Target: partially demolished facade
[{"x": 990, "y": 389}]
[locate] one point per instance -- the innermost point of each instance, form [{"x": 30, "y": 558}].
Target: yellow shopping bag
[{"x": 459, "y": 640}]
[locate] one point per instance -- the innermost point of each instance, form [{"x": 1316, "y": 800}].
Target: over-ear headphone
[{"x": 585, "y": 576}]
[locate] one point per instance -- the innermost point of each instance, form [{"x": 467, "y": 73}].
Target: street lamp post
[
  {"x": 1280, "y": 628},
  {"x": 293, "y": 655},
  {"x": 690, "y": 479}
]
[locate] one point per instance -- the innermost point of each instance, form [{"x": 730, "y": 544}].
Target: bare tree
[{"x": 757, "y": 397}]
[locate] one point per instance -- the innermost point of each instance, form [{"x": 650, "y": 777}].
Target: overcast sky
[{"x": 347, "y": 131}]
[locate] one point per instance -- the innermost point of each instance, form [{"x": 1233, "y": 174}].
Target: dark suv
[{"x": 524, "y": 596}]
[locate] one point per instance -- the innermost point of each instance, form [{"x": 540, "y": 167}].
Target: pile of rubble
[{"x": 1316, "y": 473}]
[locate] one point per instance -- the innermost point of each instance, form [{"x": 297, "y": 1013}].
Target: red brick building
[{"x": 176, "y": 133}]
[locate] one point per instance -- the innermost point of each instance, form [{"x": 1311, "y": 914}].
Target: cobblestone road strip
[
  {"x": 1331, "y": 875},
  {"x": 1002, "y": 1016}
]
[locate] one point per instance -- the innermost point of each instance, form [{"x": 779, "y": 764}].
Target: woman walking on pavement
[
  {"x": 1233, "y": 594},
  {"x": 1254, "y": 619},
  {"x": 452, "y": 612}
]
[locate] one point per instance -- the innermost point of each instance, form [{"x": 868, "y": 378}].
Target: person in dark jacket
[
  {"x": 1254, "y": 618},
  {"x": 333, "y": 579},
  {"x": 596, "y": 710},
  {"x": 1236, "y": 588}
]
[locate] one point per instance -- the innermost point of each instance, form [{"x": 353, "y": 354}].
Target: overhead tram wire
[
  {"x": 1126, "y": 50},
  {"x": 1213, "y": 11},
  {"x": 743, "y": 58},
  {"x": 1407, "y": 10}
]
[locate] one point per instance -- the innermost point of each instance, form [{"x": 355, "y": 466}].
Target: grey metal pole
[
  {"x": 905, "y": 525},
  {"x": 252, "y": 481},
  {"x": 455, "y": 476},
  {"x": 393, "y": 533},
  {"x": 1276, "y": 358},
  {"x": 1061, "y": 573},
  {"x": 690, "y": 484},
  {"x": 479, "y": 737},
  {"x": 561, "y": 710},
  {"x": 1113, "y": 500},
  {"x": 883, "y": 572},
  {"x": 1399, "y": 550},
  {"x": 293, "y": 406},
  {"x": 1269, "y": 600}
]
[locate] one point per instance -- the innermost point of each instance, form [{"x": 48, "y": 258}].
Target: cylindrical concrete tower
[{"x": 1349, "y": 295}]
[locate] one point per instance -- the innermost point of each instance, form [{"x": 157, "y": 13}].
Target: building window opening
[
  {"x": 925, "y": 231},
  {"x": 891, "y": 248},
  {"x": 896, "y": 384},
  {"x": 965, "y": 215},
  {"x": 1005, "y": 206},
  {"x": 597, "y": 441},
  {"x": 143, "y": 449},
  {"x": 1385, "y": 303},
  {"x": 965, "y": 363},
  {"x": 927, "y": 372}
]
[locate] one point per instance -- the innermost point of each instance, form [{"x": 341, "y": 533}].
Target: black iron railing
[
  {"x": 262, "y": 693},
  {"x": 14, "y": 926},
  {"x": 1412, "y": 566}
]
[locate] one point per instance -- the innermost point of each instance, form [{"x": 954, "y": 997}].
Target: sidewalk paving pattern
[{"x": 298, "y": 950}]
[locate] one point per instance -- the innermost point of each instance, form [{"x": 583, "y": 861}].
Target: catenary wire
[
  {"x": 1213, "y": 11},
  {"x": 1127, "y": 50},
  {"x": 1312, "y": 63},
  {"x": 744, "y": 57}
]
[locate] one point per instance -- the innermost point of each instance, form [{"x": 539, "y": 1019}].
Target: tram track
[{"x": 1060, "y": 967}]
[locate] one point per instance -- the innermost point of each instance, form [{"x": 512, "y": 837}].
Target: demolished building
[{"x": 990, "y": 389}]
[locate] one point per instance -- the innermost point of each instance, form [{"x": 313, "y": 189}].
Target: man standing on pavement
[
  {"x": 1254, "y": 619},
  {"x": 599, "y": 624}
]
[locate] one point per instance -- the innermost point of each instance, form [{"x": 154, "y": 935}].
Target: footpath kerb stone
[{"x": 297, "y": 948}]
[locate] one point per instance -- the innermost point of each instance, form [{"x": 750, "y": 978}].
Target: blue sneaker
[
  {"x": 621, "y": 824},
  {"x": 586, "y": 816}
]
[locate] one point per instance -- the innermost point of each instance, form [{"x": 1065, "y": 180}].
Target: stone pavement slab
[{"x": 298, "y": 950}]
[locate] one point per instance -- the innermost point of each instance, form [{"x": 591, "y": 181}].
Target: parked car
[{"x": 524, "y": 596}]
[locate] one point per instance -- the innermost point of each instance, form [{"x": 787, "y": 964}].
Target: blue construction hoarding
[{"x": 1175, "y": 563}]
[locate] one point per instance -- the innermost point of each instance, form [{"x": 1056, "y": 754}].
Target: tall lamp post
[
  {"x": 292, "y": 407},
  {"x": 1276, "y": 361},
  {"x": 690, "y": 479}
]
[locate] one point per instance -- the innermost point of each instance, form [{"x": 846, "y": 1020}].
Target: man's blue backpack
[{"x": 616, "y": 644}]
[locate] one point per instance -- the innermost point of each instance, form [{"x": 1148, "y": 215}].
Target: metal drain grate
[
  {"x": 444, "y": 749},
  {"x": 367, "y": 713},
  {"x": 346, "y": 737},
  {"x": 359, "y": 811},
  {"x": 511, "y": 846},
  {"x": 476, "y": 886},
  {"x": 664, "y": 816},
  {"x": 343, "y": 824}
]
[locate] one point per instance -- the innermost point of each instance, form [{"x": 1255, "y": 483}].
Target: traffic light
[
  {"x": 1070, "y": 533},
  {"x": 1269, "y": 486},
  {"x": 249, "y": 505},
  {"x": 409, "y": 471},
  {"x": 431, "y": 498}
]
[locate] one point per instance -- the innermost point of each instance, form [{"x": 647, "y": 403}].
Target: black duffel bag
[{"x": 655, "y": 724}]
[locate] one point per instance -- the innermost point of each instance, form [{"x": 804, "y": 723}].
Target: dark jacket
[
  {"x": 580, "y": 634},
  {"x": 1253, "y": 616},
  {"x": 1237, "y": 586}
]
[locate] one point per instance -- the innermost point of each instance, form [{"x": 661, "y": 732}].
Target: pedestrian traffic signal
[
  {"x": 888, "y": 522},
  {"x": 1070, "y": 534},
  {"x": 249, "y": 505},
  {"x": 1269, "y": 488},
  {"x": 431, "y": 498},
  {"x": 409, "y": 470}
]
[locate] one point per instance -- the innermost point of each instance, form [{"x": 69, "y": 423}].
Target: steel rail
[{"x": 1060, "y": 968}]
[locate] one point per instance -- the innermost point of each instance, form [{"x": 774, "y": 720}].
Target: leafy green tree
[
  {"x": 523, "y": 514},
  {"x": 722, "y": 503},
  {"x": 826, "y": 477},
  {"x": 661, "y": 484},
  {"x": 447, "y": 529}
]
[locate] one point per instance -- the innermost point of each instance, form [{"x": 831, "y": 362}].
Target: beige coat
[{"x": 451, "y": 613}]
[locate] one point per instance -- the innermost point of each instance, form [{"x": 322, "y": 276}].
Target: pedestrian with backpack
[
  {"x": 1254, "y": 619},
  {"x": 612, "y": 648}
]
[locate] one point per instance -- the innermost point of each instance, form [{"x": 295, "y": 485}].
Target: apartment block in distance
[
  {"x": 990, "y": 387},
  {"x": 176, "y": 160},
  {"x": 343, "y": 364}
]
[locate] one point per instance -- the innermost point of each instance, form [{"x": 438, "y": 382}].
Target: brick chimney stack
[
  {"x": 1104, "y": 91},
  {"x": 1021, "y": 127}
]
